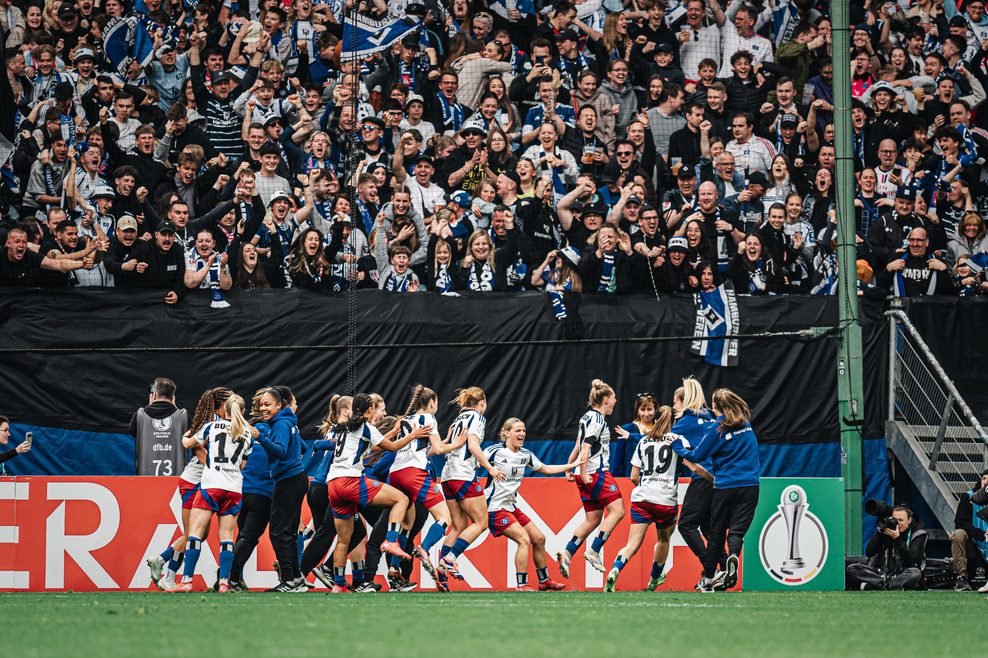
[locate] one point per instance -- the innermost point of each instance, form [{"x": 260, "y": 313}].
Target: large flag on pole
[
  {"x": 363, "y": 37},
  {"x": 717, "y": 315},
  {"x": 126, "y": 40}
]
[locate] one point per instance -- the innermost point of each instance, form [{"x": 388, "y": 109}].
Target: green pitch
[{"x": 467, "y": 625}]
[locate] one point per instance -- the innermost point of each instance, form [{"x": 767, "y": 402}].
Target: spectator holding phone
[{"x": 25, "y": 446}]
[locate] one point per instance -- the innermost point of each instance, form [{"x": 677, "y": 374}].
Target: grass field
[{"x": 470, "y": 625}]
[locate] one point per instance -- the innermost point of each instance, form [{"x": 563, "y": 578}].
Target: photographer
[
  {"x": 896, "y": 553},
  {"x": 969, "y": 540}
]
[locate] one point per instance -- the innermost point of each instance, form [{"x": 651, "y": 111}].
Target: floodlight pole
[{"x": 849, "y": 358}]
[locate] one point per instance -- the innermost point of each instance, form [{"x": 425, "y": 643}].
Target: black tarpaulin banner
[{"x": 790, "y": 382}]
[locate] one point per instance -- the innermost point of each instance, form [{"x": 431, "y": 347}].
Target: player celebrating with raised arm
[
  {"x": 464, "y": 495},
  {"x": 228, "y": 442},
  {"x": 188, "y": 487},
  {"x": 654, "y": 470},
  {"x": 511, "y": 458},
  {"x": 598, "y": 488},
  {"x": 350, "y": 489}
]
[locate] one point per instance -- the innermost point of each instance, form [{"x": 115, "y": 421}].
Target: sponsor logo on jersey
[{"x": 162, "y": 424}]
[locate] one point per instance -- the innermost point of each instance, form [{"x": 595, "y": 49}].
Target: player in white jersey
[
  {"x": 410, "y": 475},
  {"x": 228, "y": 441},
  {"x": 598, "y": 488},
  {"x": 655, "y": 499},
  {"x": 511, "y": 458},
  {"x": 350, "y": 489},
  {"x": 165, "y": 567},
  {"x": 464, "y": 495}
]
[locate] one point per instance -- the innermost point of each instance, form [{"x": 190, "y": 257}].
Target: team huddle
[{"x": 373, "y": 489}]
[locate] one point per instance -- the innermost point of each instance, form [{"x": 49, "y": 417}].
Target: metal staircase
[{"x": 929, "y": 427}]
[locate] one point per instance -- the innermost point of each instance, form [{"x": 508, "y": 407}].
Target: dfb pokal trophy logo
[{"x": 793, "y": 542}]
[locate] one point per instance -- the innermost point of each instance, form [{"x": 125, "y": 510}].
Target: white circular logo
[
  {"x": 793, "y": 543},
  {"x": 162, "y": 424}
]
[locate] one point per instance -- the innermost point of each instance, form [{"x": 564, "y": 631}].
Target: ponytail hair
[
  {"x": 421, "y": 396},
  {"x": 663, "y": 422},
  {"x": 286, "y": 395},
  {"x": 212, "y": 399},
  {"x": 336, "y": 405},
  {"x": 732, "y": 407},
  {"x": 691, "y": 393},
  {"x": 234, "y": 407},
  {"x": 362, "y": 402},
  {"x": 507, "y": 427},
  {"x": 468, "y": 398},
  {"x": 599, "y": 391}
]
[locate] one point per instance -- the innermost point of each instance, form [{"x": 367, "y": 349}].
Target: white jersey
[
  {"x": 351, "y": 447},
  {"x": 659, "y": 472},
  {"x": 193, "y": 470},
  {"x": 416, "y": 453},
  {"x": 501, "y": 495},
  {"x": 224, "y": 455},
  {"x": 461, "y": 464},
  {"x": 595, "y": 433}
]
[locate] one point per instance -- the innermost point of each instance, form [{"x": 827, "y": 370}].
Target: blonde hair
[
  {"x": 599, "y": 391},
  {"x": 468, "y": 398},
  {"x": 234, "y": 407},
  {"x": 507, "y": 427},
  {"x": 336, "y": 404},
  {"x": 691, "y": 393},
  {"x": 732, "y": 407},
  {"x": 421, "y": 396},
  {"x": 663, "y": 422},
  {"x": 481, "y": 234}
]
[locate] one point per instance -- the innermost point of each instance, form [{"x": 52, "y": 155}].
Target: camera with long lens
[{"x": 883, "y": 511}]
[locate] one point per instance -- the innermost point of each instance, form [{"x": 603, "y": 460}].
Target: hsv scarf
[{"x": 717, "y": 316}]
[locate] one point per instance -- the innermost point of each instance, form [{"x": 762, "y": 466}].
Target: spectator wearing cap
[
  {"x": 789, "y": 138},
  {"x": 679, "y": 202},
  {"x": 580, "y": 214},
  {"x": 167, "y": 72},
  {"x": 572, "y": 60},
  {"x": 223, "y": 124},
  {"x": 159, "y": 264},
  {"x": 267, "y": 179},
  {"x": 427, "y": 196},
  {"x": 674, "y": 272},
  {"x": 748, "y": 203},
  {"x": 122, "y": 242},
  {"x": 663, "y": 65},
  {"x": 887, "y": 236},
  {"x": 889, "y": 121},
  {"x": 414, "y": 111},
  {"x": 464, "y": 167},
  {"x": 68, "y": 29},
  {"x": 85, "y": 70},
  {"x": 97, "y": 217}
]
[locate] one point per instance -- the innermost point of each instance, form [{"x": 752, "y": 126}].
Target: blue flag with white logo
[
  {"x": 363, "y": 37},
  {"x": 717, "y": 315},
  {"x": 126, "y": 40}
]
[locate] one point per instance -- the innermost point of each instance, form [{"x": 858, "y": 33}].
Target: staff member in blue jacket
[
  {"x": 284, "y": 448},
  {"x": 731, "y": 446},
  {"x": 255, "y": 510},
  {"x": 692, "y": 421}
]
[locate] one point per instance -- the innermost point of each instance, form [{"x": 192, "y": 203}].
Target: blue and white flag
[
  {"x": 363, "y": 37},
  {"x": 717, "y": 315},
  {"x": 126, "y": 40}
]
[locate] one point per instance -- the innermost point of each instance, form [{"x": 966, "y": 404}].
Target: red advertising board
[{"x": 95, "y": 533}]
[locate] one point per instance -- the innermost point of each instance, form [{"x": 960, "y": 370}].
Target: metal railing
[{"x": 930, "y": 412}]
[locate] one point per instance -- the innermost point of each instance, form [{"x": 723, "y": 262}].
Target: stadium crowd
[{"x": 598, "y": 147}]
